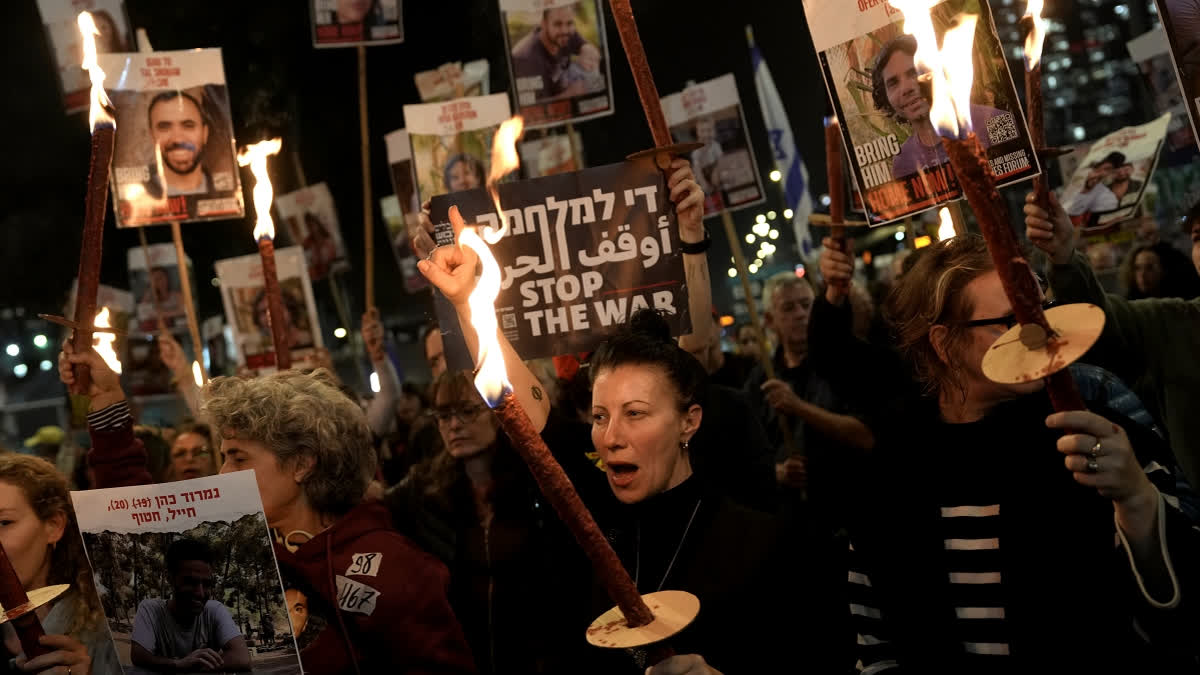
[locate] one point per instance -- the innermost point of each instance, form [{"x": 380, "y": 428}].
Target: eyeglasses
[
  {"x": 1008, "y": 320},
  {"x": 463, "y": 413}
]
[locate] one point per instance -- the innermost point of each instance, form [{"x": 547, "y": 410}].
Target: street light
[
  {"x": 339, "y": 333},
  {"x": 749, "y": 238},
  {"x": 776, "y": 176},
  {"x": 40, "y": 341},
  {"x": 12, "y": 350}
]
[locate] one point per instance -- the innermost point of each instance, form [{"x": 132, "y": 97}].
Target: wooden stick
[
  {"x": 158, "y": 313},
  {"x": 957, "y": 218},
  {"x": 12, "y": 597},
  {"x": 185, "y": 282},
  {"x": 368, "y": 207},
  {"x": 90, "y": 252},
  {"x": 576, "y": 151},
  {"x": 67, "y": 323},
  {"x": 636, "y": 54},
  {"x": 280, "y": 336},
  {"x": 837, "y": 195},
  {"x": 1037, "y": 121}
]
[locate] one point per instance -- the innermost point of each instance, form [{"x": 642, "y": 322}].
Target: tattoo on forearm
[{"x": 537, "y": 393}]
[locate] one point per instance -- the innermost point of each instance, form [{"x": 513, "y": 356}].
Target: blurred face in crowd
[
  {"x": 191, "y": 456},
  {"x": 558, "y": 25},
  {"x": 903, "y": 88},
  {"x": 639, "y": 431},
  {"x": 466, "y": 427},
  {"x": 408, "y": 406},
  {"x": 986, "y": 295},
  {"x": 192, "y": 585},
  {"x": 179, "y": 130},
  {"x": 352, "y": 11},
  {"x": 462, "y": 177},
  {"x": 788, "y": 315},
  {"x": 297, "y": 605},
  {"x": 435, "y": 354},
  {"x": 747, "y": 340},
  {"x": 1147, "y": 272},
  {"x": 26, "y": 538},
  {"x": 279, "y": 486}
]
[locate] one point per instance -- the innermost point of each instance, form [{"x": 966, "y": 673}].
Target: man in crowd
[
  {"x": 180, "y": 131},
  {"x": 546, "y": 53},
  {"x": 191, "y": 632}
]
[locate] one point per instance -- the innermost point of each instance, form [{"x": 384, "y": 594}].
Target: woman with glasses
[
  {"x": 994, "y": 535},
  {"x": 475, "y": 505},
  {"x": 192, "y": 453}
]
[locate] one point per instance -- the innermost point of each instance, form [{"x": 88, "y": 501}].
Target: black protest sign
[{"x": 583, "y": 251}]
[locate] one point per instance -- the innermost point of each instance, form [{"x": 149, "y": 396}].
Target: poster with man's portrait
[
  {"x": 348, "y": 23},
  {"x": 156, "y": 287},
  {"x": 245, "y": 298},
  {"x": 61, "y": 20},
  {"x": 1181, "y": 21},
  {"x": 174, "y": 155},
  {"x": 1109, "y": 182},
  {"x": 312, "y": 222},
  {"x": 711, "y": 113},
  {"x": 883, "y": 104},
  {"x": 557, "y": 59},
  {"x": 401, "y": 210},
  {"x": 187, "y": 574},
  {"x": 452, "y": 142}
]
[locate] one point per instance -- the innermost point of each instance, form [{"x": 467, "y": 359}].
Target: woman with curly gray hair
[{"x": 375, "y": 602}]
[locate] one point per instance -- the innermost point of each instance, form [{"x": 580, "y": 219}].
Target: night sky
[{"x": 280, "y": 84}]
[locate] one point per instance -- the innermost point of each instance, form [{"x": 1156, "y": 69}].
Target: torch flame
[
  {"x": 504, "y": 160},
  {"x": 256, "y": 156},
  {"x": 104, "y": 341},
  {"x": 949, "y": 69},
  {"x": 197, "y": 374},
  {"x": 1036, "y": 35},
  {"x": 100, "y": 103},
  {"x": 946, "y": 229}
]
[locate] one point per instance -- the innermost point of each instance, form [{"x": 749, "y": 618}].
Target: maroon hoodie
[{"x": 376, "y": 603}]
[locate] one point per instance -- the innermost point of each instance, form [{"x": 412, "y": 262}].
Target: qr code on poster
[
  {"x": 1001, "y": 128},
  {"x": 508, "y": 321}
]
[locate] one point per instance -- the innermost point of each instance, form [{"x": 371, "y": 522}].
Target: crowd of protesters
[{"x": 860, "y": 498}]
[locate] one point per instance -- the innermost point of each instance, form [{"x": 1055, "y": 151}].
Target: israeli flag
[{"x": 787, "y": 158}]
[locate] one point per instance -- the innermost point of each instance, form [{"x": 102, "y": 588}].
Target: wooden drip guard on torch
[
  {"x": 279, "y": 329},
  {"x": 636, "y": 624},
  {"x": 20, "y": 609},
  {"x": 93, "y": 244},
  {"x": 1052, "y": 348}
]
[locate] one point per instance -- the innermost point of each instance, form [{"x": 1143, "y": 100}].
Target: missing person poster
[
  {"x": 557, "y": 59},
  {"x": 157, "y": 288},
  {"x": 193, "y": 553},
  {"x": 1109, "y": 183},
  {"x": 711, "y": 113},
  {"x": 401, "y": 210},
  {"x": 1152, "y": 54},
  {"x": 245, "y": 298},
  {"x": 583, "y": 251},
  {"x": 61, "y": 20},
  {"x": 348, "y": 23},
  {"x": 174, "y": 154},
  {"x": 549, "y": 155},
  {"x": 1181, "y": 21},
  {"x": 312, "y": 222},
  {"x": 453, "y": 80},
  {"x": 897, "y": 158},
  {"x": 406, "y": 257},
  {"x": 452, "y": 142}
]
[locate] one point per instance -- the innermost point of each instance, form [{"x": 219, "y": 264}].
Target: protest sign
[
  {"x": 452, "y": 142},
  {"x": 348, "y": 23},
  {"x": 394, "y": 218},
  {"x": 60, "y": 19},
  {"x": 453, "y": 80},
  {"x": 156, "y": 284},
  {"x": 244, "y": 296},
  {"x": 583, "y": 252},
  {"x": 548, "y": 155},
  {"x": 312, "y": 222},
  {"x": 401, "y": 210},
  {"x": 557, "y": 59},
  {"x": 1181, "y": 22},
  {"x": 212, "y": 331},
  {"x": 1109, "y": 183},
  {"x": 711, "y": 113},
  {"x": 140, "y": 539},
  {"x": 174, "y": 154},
  {"x": 897, "y": 158},
  {"x": 1151, "y": 52}
]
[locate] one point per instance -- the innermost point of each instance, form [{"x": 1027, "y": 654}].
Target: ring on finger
[
  {"x": 1095, "y": 451},
  {"x": 1093, "y": 466}
]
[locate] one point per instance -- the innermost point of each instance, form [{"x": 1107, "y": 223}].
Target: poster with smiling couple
[{"x": 896, "y": 156}]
